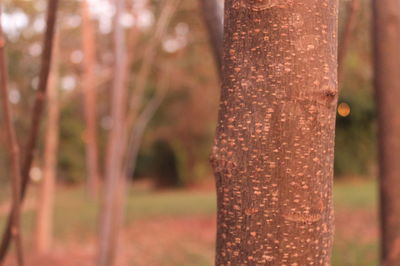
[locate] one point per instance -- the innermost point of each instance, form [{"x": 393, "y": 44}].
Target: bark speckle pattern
[{"x": 273, "y": 151}]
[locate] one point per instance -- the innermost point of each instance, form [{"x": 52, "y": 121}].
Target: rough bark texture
[
  {"x": 44, "y": 219},
  {"x": 214, "y": 19},
  {"x": 274, "y": 148},
  {"x": 37, "y": 114},
  {"x": 90, "y": 106},
  {"x": 386, "y": 24}
]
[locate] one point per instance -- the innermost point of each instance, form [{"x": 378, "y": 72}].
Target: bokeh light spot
[{"x": 344, "y": 109}]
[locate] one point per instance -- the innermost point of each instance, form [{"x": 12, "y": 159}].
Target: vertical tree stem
[
  {"x": 14, "y": 151},
  {"x": 37, "y": 115},
  {"x": 90, "y": 106},
  {"x": 110, "y": 216},
  {"x": 44, "y": 218},
  {"x": 274, "y": 145},
  {"x": 386, "y": 39}
]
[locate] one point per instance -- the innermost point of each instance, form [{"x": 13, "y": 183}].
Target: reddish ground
[
  {"x": 166, "y": 241},
  {"x": 182, "y": 241}
]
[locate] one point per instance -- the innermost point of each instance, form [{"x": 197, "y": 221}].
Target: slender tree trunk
[
  {"x": 386, "y": 40},
  {"x": 274, "y": 146},
  {"x": 44, "y": 220},
  {"x": 89, "y": 86},
  {"x": 110, "y": 216},
  {"x": 214, "y": 18},
  {"x": 12, "y": 143},
  {"x": 37, "y": 114}
]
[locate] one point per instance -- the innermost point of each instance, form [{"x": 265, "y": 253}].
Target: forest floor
[{"x": 177, "y": 227}]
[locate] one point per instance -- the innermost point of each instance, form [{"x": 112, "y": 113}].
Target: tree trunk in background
[
  {"x": 14, "y": 151},
  {"x": 45, "y": 215},
  {"x": 110, "y": 215},
  {"x": 36, "y": 118},
  {"x": 386, "y": 28},
  {"x": 274, "y": 146},
  {"x": 137, "y": 97},
  {"x": 89, "y": 87},
  {"x": 214, "y": 19}
]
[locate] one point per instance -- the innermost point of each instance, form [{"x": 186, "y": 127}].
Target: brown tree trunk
[
  {"x": 37, "y": 114},
  {"x": 274, "y": 146},
  {"x": 110, "y": 216},
  {"x": 44, "y": 219},
  {"x": 386, "y": 40},
  {"x": 15, "y": 157},
  {"x": 89, "y": 87},
  {"x": 214, "y": 18}
]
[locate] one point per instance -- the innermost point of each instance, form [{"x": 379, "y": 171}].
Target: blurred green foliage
[
  {"x": 177, "y": 142},
  {"x": 355, "y": 134}
]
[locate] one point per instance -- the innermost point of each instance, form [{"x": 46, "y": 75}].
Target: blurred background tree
[
  {"x": 356, "y": 124},
  {"x": 181, "y": 131}
]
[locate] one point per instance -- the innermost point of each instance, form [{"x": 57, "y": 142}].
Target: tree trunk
[
  {"x": 89, "y": 87},
  {"x": 274, "y": 146},
  {"x": 36, "y": 118},
  {"x": 111, "y": 211},
  {"x": 214, "y": 18},
  {"x": 44, "y": 219},
  {"x": 386, "y": 28},
  {"x": 14, "y": 151}
]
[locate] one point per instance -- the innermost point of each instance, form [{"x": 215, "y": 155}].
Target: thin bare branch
[
  {"x": 141, "y": 123},
  {"x": 214, "y": 18},
  {"x": 12, "y": 143},
  {"x": 149, "y": 56},
  {"x": 37, "y": 115},
  {"x": 352, "y": 9},
  {"x": 134, "y": 32}
]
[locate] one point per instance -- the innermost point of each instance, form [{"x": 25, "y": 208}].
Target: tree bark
[
  {"x": 44, "y": 220},
  {"x": 15, "y": 157},
  {"x": 37, "y": 114},
  {"x": 90, "y": 106},
  {"x": 274, "y": 146},
  {"x": 386, "y": 39},
  {"x": 214, "y": 18}
]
